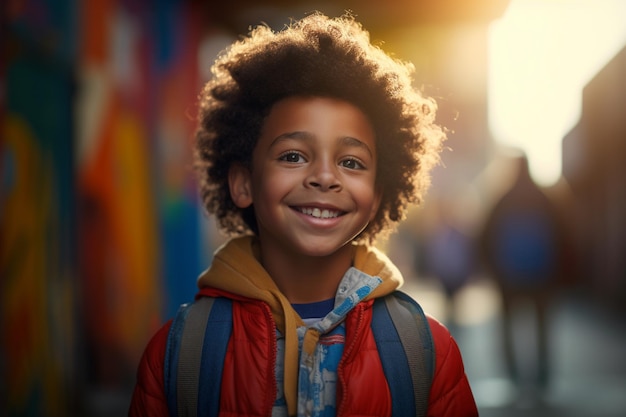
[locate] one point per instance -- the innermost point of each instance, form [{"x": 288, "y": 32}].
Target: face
[{"x": 313, "y": 176}]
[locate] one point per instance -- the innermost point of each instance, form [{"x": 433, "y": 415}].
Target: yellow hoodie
[{"x": 236, "y": 269}]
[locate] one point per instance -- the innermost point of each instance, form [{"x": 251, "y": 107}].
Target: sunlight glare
[{"x": 541, "y": 55}]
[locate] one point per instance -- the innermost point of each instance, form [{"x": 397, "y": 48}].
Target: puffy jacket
[
  {"x": 248, "y": 380},
  {"x": 249, "y": 388}
]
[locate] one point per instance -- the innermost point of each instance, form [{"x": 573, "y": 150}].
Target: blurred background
[{"x": 520, "y": 247}]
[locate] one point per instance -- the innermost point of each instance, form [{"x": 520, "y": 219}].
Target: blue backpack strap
[
  {"x": 194, "y": 357},
  {"x": 406, "y": 351}
]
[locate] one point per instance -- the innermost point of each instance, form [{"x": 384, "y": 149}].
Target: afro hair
[{"x": 315, "y": 56}]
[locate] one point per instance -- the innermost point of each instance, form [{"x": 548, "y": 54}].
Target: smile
[{"x": 319, "y": 213}]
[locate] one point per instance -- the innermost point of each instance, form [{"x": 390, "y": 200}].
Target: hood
[{"x": 236, "y": 269}]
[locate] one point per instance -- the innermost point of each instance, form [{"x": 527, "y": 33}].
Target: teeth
[{"x": 323, "y": 214}]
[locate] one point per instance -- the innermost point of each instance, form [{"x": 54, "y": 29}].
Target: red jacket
[{"x": 248, "y": 380}]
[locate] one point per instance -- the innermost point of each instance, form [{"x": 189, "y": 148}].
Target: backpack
[{"x": 400, "y": 329}]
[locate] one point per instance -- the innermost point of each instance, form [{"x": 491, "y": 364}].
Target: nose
[{"x": 323, "y": 176}]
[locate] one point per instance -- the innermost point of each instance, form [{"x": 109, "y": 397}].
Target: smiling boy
[{"x": 312, "y": 142}]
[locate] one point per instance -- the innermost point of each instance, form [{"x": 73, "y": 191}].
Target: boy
[{"x": 311, "y": 143}]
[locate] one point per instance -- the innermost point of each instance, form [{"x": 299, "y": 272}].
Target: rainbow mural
[
  {"x": 37, "y": 266},
  {"x": 100, "y": 228}
]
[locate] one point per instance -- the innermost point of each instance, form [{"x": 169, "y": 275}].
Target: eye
[
  {"x": 352, "y": 163},
  {"x": 291, "y": 157}
]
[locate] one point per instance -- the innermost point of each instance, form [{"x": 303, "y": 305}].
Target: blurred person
[
  {"x": 449, "y": 251},
  {"x": 312, "y": 142},
  {"x": 522, "y": 248}
]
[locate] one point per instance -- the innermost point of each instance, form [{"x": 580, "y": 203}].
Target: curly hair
[{"x": 315, "y": 56}]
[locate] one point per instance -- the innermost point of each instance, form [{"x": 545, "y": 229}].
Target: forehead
[{"x": 318, "y": 116}]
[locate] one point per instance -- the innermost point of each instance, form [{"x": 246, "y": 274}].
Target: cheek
[
  {"x": 374, "y": 208},
  {"x": 367, "y": 197},
  {"x": 375, "y": 205},
  {"x": 270, "y": 187}
]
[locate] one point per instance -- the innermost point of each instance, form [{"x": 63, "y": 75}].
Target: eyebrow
[{"x": 306, "y": 136}]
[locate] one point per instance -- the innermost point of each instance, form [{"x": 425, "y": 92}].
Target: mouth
[{"x": 319, "y": 213}]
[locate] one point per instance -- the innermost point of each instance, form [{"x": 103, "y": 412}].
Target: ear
[
  {"x": 239, "y": 185},
  {"x": 378, "y": 196}
]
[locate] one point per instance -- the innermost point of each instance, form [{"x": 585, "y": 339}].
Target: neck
[{"x": 307, "y": 279}]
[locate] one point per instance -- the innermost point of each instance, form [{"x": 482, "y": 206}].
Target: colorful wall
[{"x": 99, "y": 219}]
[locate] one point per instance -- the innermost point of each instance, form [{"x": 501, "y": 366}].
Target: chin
[{"x": 323, "y": 250}]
